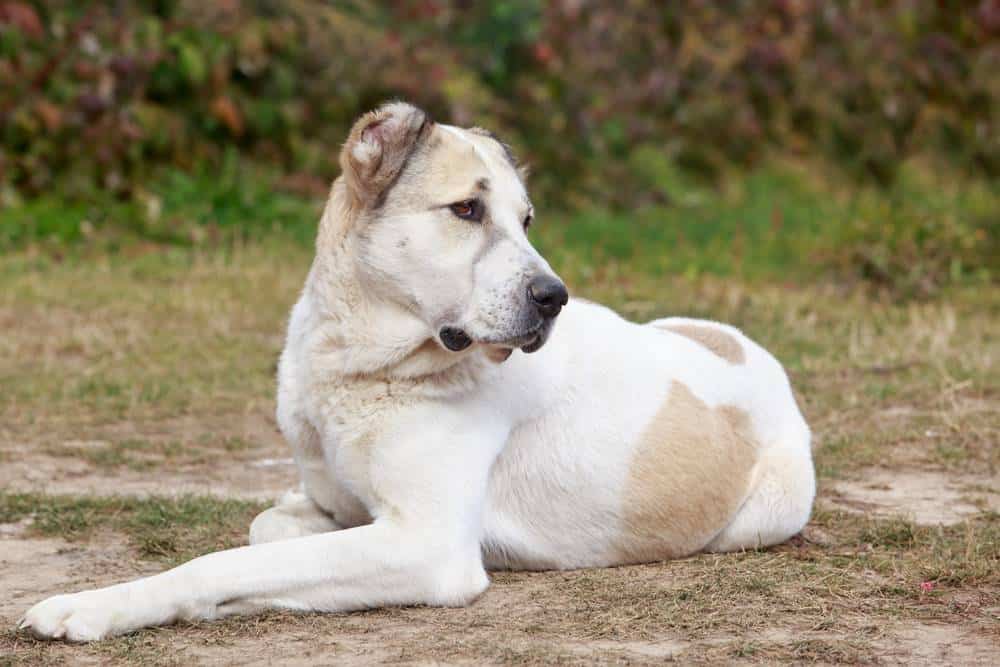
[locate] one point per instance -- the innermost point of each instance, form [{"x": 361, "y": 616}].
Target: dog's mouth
[
  {"x": 536, "y": 343},
  {"x": 457, "y": 339}
]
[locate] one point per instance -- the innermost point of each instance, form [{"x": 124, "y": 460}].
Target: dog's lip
[
  {"x": 522, "y": 340},
  {"x": 534, "y": 344},
  {"x": 529, "y": 341},
  {"x": 534, "y": 338}
]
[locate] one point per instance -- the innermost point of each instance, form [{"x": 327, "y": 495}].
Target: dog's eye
[
  {"x": 527, "y": 221},
  {"x": 469, "y": 209}
]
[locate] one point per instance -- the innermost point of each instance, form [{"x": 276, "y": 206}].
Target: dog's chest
[{"x": 351, "y": 419}]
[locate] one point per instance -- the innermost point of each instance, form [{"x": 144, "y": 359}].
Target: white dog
[{"x": 430, "y": 450}]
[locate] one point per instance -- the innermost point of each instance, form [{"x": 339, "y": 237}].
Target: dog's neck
[{"x": 363, "y": 333}]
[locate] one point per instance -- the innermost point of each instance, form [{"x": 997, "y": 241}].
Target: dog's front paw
[{"x": 80, "y": 617}]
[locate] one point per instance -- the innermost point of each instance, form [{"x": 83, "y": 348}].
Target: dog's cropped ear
[{"x": 378, "y": 148}]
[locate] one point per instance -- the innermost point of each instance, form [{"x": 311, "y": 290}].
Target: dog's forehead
[{"x": 471, "y": 155}]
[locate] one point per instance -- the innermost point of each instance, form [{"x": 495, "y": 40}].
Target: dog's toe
[{"x": 70, "y": 617}]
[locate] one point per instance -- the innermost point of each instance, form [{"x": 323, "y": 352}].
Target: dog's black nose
[{"x": 548, "y": 294}]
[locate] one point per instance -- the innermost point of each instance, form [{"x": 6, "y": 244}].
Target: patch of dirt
[
  {"x": 491, "y": 631},
  {"x": 926, "y": 497},
  {"x": 917, "y": 643},
  {"x": 35, "y": 568},
  {"x": 258, "y": 469},
  {"x": 526, "y": 618},
  {"x": 57, "y": 475},
  {"x": 612, "y": 616},
  {"x": 627, "y": 651}
]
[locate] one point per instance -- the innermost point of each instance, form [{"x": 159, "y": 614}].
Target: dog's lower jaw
[{"x": 530, "y": 340}]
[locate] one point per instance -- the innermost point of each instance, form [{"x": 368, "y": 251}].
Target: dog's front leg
[{"x": 422, "y": 549}]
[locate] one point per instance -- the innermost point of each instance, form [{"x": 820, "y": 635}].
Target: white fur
[{"x": 420, "y": 467}]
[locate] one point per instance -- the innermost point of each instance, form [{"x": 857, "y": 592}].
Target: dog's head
[{"x": 441, "y": 221}]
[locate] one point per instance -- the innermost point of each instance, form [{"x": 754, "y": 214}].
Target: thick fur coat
[{"x": 450, "y": 412}]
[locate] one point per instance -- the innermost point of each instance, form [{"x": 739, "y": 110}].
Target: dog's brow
[
  {"x": 482, "y": 185},
  {"x": 507, "y": 152}
]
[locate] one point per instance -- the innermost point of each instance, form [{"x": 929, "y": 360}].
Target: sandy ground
[
  {"x": 263, "y": 470},
  {"x": 34, "y": 568},
  {"x": 260, "y": 478},
  {"x": 524, "y": 618},
  {"x": 928, "y": 498}
]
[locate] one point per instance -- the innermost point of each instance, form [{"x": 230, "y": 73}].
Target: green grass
[
  {"x": 763, "y": 225},
  {"x": 237, "y": 203},
  {"x": 171, "y": 530},
  {"x": 788, "y": 223},
  {"x": 195, "y": 332},
  {"x": 783, "y": 221}
]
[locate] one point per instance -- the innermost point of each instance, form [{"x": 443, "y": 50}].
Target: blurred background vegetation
[{"x": 774, "y": 139}]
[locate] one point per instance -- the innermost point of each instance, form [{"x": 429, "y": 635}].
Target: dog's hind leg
[
  {"x": 295, "y": 515},
  {"x": 780, "y": 505}
]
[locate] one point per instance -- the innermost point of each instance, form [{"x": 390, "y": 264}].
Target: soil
[
  {"x": 260, "y": 469},
  {"x": 925, "y": 497},
  {"x": 34, "y": 568}
]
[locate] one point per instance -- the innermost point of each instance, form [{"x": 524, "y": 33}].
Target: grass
[
  {"x": 236, "y": 202},
  {"x": 135, "y": 453},
  {"x": 784, "y": 221},
  {"x": 168, "y": 529},
  {"x": 829, "y": 601},
  {"x": 132, "y": 357},
  {"x": 191, "y": 333},
  {"x": 150, "y": 335}
]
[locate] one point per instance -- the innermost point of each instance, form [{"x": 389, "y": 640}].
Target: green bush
[
  {"x": 99, "y": 92},
  {"x": 613, "y": 105},
  {"x": 922, "y": 234}
]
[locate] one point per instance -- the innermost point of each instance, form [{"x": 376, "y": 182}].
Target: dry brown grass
[
  {"x": 146, "y": 371},
  {"x": 160, "y": 335},
  {"x": 847, "y": 599}
]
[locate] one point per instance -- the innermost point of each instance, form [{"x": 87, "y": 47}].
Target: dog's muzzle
[{"x": 546, "y": 296}]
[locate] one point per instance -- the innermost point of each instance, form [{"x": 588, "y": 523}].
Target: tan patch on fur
[
  {"x": 445, "y": 166},
  {"x": 716, "y": 340},
  {"x": 690, "y": 475},
  {"x": 446, "y": 170}
]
